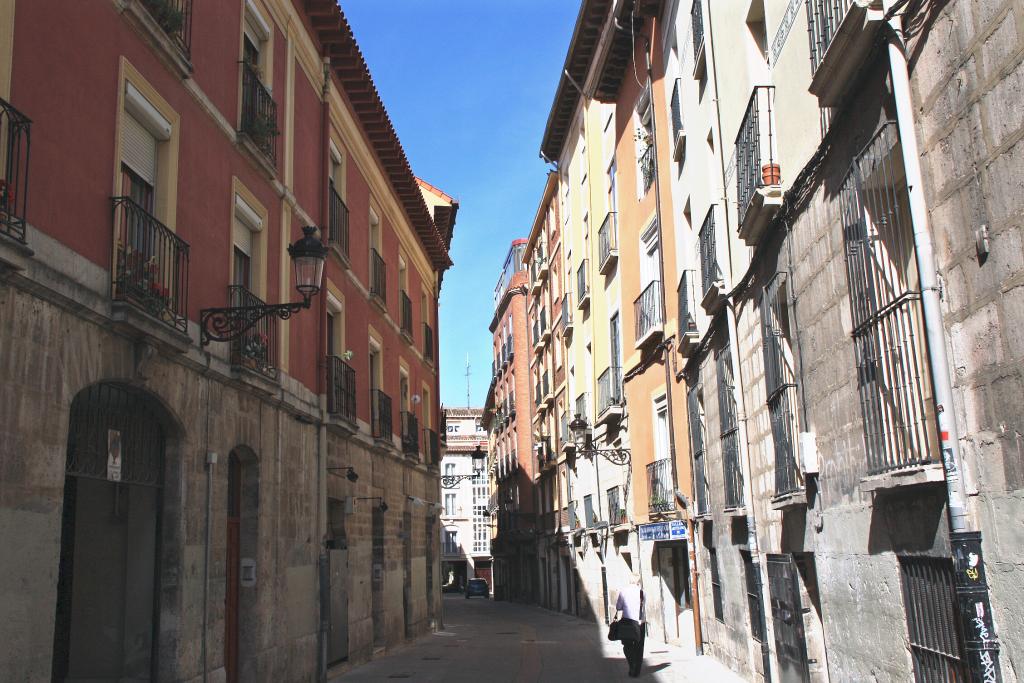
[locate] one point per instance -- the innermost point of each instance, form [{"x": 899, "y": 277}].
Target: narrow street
[{"x": 508, "y": 642}]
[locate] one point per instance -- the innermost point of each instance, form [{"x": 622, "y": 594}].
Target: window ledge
[
  {"x": 740, "y": 511},
  {"x": 256, "y": 380},
  {"x": 931, "y": 473},
  {"x": 342, "y": 424},
  {"x": 714, "y": 298},
  {"x": 763, "y": 206},
  {"x": 165, "y": 47},
  {"x": 341, "y": 255},
  {"x": 790, "y": 500},
  {"x": 129, "y": 318},
  {"x": 377, "y": 301},
  {"x": 256, "y": 154},
  {"x": 13, "y": 254}
]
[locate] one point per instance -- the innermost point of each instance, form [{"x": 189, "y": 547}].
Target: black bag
[{"x": 613, "y": 631}]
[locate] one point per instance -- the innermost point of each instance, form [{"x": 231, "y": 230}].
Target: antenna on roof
[{"x": 468, "y": 373}]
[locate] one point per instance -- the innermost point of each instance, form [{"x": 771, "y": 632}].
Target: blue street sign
[{"x": 663, "y": 531}]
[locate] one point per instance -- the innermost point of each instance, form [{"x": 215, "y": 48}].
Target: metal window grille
[
  {"x": 378, "y": 276},
  {"x": 607, "y": 239},
  {"x": 647, "y": 310},
  {"x": 697, "y": 21},
  {"x": 659, "y": 486},
  {"x": 382, "y": 424},
  {"x": 175, "y": 18},
  {"x": 729, "y": 429},
  {"x": 259, "y": 113},
  {"x": 698, "y": 446},
  {"x": 410, "y": 433},
  {"x": 428, "y": 342},
  {"x": 256, "y": 348},
  {"x": 755, "y": 147},
  {"x": 15, "y": 130},
  {"x": 886, "y": 308},
  {"x": 341, "y": 388},
  {"x": 433, "y": 447},
  {"x": 566, "y": 310},
  {"x": 823, "y": 18},
  {"x": 647, "y": 167},
  {"x": 609, "y": 388},
  {"x": 406, "y": 314},
  {"x": 337, "y": 232},
  {"x": 753, "y": 583},
  {"x": 677, "y": 110},
  {"x": 582, "y": 286},
  {"x": 616, "y": 512},
  {"x": 710, "y": 273},
  {"x": 780, "y": 384},
  {"x": 685, "y": 295},
  {"x": 151, "y": 265},
  {"x": 930, "y": 602},
  {"x": 716, "y": 586}
]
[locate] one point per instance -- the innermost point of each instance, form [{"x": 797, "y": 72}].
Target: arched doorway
[
  {"x": 108, "y": 582},
  {"x": 240, "y": 564}
]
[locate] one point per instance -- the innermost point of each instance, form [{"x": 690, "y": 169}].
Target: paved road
[{"x": 501, "y": 642}]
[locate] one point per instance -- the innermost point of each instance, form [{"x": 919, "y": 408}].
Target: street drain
[
  {"x": 431, "y": 659},
  {"x": 399, "y": 676},
  {"x": 659, "y": 652},
  {"x": 506, "y": 633}
]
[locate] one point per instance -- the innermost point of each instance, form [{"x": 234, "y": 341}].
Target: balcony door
[{"x": 649, "y": 257}]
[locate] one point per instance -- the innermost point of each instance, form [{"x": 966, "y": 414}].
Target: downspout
[
  {"x": 977, "y": 624},
  {"x": 211, "y": 460},
  {"x": 321, "y": 384},
  {"x": 738, "y": 398}
]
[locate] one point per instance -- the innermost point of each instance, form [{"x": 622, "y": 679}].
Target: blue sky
[{"x": 468, "y": 85}]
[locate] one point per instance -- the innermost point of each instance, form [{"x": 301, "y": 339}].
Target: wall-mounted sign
[
  {"x": 248, "y": 572},
  {"x": 674, "y": 530},
  {"x": 113, "y": 455}
]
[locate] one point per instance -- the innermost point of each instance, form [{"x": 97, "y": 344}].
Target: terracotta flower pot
[{"x": 771, "y": 174}]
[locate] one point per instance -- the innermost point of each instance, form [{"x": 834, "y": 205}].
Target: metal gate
[{"x": 787, "y": 617}]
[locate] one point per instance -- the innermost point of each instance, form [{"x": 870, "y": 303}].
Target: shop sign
[{"x": 663, "y": 531}]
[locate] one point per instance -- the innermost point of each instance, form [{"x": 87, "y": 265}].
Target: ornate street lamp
[
  {"x": 451, "y": 481},
  {"x": 351, "y": 474},
  {"x": 308, "y": 255},
  {"x": 583, "y": 437}
]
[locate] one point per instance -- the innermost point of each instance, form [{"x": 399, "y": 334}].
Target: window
[
  {"x": 644, "y": 139},
  {"x": 145, "y": 132},
  {"x": 695, "y": 410},
  {"x": 246, "y": 248},
  {"x": 451, "y": 543},
  {"x": 780, "y": 382},
  {"x": 258, "y": 118},
  {"x": 929, "y": 599},
  {"x": 716, "y": 586},
  {"x": 753, "y": 580},
  {"x": 588, "y": 510},
  {"x": 886, "y": 308},
  {"x": 449, "y": 469},
  {"x": 729, "y": 431},
  {"x": 449, "y": 504},
  {"x": 378, "y": 271}
]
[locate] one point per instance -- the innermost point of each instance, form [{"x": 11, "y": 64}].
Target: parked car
[{"x": 477, "y": 587}]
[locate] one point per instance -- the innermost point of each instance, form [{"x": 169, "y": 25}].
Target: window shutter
[
  {"x": 138, "y": 149},
  {"x": 242, "y": 237}
]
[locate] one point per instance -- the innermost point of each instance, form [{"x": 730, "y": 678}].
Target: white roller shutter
[{"x": 138, "y": 149}]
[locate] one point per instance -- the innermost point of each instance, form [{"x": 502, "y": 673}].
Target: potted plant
[
  {"x": 771, "y": 174},
  {"x": 167, "y": 14},
  {"x": 622, "y": 517}
]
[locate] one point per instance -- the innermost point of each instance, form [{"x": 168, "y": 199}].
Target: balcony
[
  {"x": 256, "y": 349},
  {"x": 174, "y": 17},
  {"x": 341, "y": 389},
  {"x": 758, "y": 175},
  {"x": 583, "y": 405},
  {"x": 410, "y": 434},
  {"x": 538, "y": 272},
  {"x": 678, "y": 131},
  {"x": 647, "y": 168},
  {"x": 406, "y": 316},
  {"x": 616, "y": 510},
  {"x": 150, "y": 267},
  {"x": 609, "y": 395},
  {"x": 659, "y": 486},
  {"x": 582, "y": 286},
  {"x": 378, "y": 278},
  {"x": 16, "y": 130},
  {"x": 381, "y": 415},
  {"x": 648, "y": 315},
  {"x": 337, "y": 230},
  {"x": 564, "y": 435},
  {"x": 259, "y": 114},
  {"x": 546, "y": 396},
  {"x": 567, "y": 318},
  {"x": 842, "y": 33},
  {"x": 432, "y": 442},
  {"x": 428, "y": 342},
  {"x": 697, "y": 23},
  {"x": 689, "y": 336},
  {"x": 607, "y": 243},
  {"x": 589, "y": 515},
  {"x": 712, "y": 285},
  {"x": 545, "y": 331}
]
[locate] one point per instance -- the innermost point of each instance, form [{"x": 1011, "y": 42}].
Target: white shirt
[{"x": 630, "y": 602}]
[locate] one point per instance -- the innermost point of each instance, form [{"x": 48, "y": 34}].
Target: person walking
[{"x": 629, "y": 613}]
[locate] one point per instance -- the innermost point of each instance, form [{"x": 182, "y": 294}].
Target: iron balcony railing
[
  {"x": 589, "y": 514},
  {"x": 543, "y": 322},
  {"x": 823, "y": 19},
  {"x": 537, "y": 396},
  {"x": 337, "y": 233},
  {"x": 537, "y": 267},
  {"x": 686, "y": 296},
  {"x": 536, "y": 331},
  {"x": 646, "y": 162},
  {"x": 647, "y": 310},
  {"x": 697, "y": 22},
  {"x": 710, "y": 274},
  {"x": 378, "y": 276},
  {"x": 780, "y": 386},
  {"x": 410, "y": 433},
  {"x": 609, "y": 388},
  {"x": 151, "y": 265},
  {"x": 677, "y": 109},
  {"x": 582, "y": 285},
  {"x": 433, "y": 446},
  {"x": 698, "y": 447},
  {"x": 756, "y": 162},
  {"x": 341, "y": 388},
  {"x": 381, "y": 417},
  {"x": 15, "y": 132},
  {"x": 566, "y": 310},
  {"x": 930, "y": 602},
  {"x": 583, "y": 405},
  {"x": 564, "y": 436},
  {"x": 259, "y": 113},
  {"x": 406, "y": 314},
  {"x": 428, "y": 342},
  {"x": 659, "y": 486},
  {"x": 256, "y": 348},
  {"x": 616, "y": 511},
  {"x": 175, "y": 18},
  {"x": 545, "y": 385},
  {"x": 607, "y": 240}
]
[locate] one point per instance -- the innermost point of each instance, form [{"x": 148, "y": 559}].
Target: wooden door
[{"x": 232, "y": 568}]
